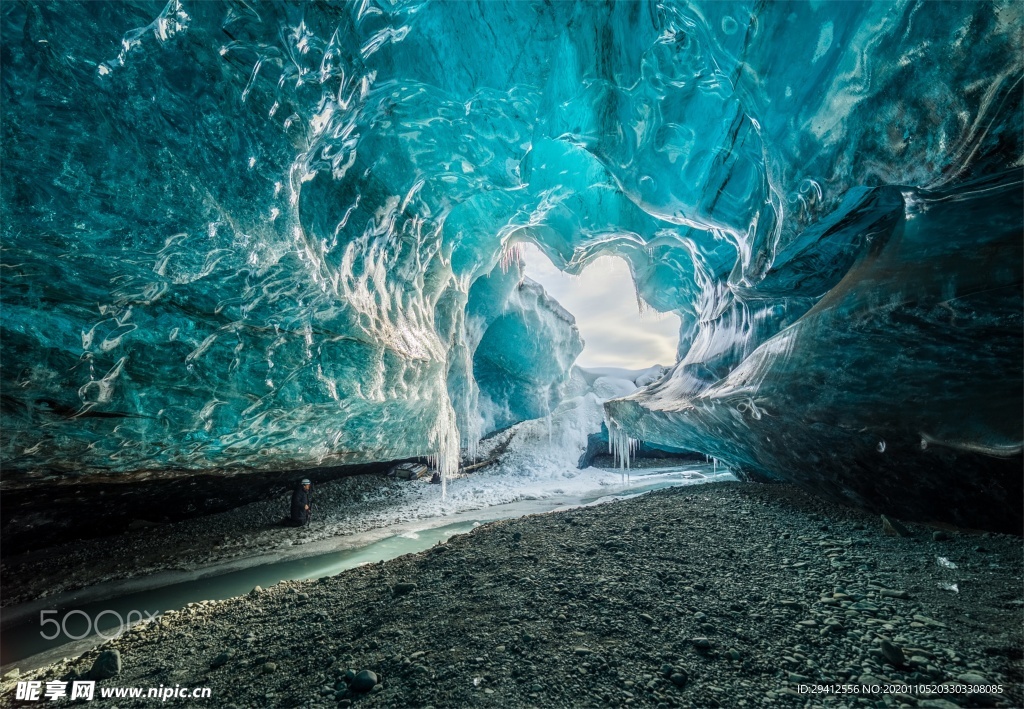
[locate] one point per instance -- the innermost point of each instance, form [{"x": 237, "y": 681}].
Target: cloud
[{"x": 603, "y": 299}]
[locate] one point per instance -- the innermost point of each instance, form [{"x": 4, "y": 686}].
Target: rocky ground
[
  {"x": 359, "y": 503},
  {"x": 724, "y": 595}
]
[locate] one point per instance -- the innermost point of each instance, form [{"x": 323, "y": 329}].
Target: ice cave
[
  {"x": 248, "y": 237},
  {"x": 598, "y": 353}
]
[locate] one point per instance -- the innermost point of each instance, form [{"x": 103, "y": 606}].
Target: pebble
[
  {"x": 893, "y": 593},
  {"x": 972, "y": 678},
  {"x": 892, "y": 653},
  {"x": 221, "y": 659},
  {"x": 893, "y": 528},
  {"x": 107, "y": 665},
  {"x": 364, "y": 681}
]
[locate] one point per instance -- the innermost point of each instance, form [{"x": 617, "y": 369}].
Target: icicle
[
  {"x": 621, "y": 447},
  {"x": 511, "y": 255},
  {"x": 445, "y": 438}
]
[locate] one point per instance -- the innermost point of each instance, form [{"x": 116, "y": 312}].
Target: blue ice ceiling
[{"x": 258, "y": 235}]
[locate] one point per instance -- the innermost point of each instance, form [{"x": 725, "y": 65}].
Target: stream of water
[{"x": 69, "y": 625}]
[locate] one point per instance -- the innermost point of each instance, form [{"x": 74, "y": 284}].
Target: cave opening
[{"x": 619, "y": 329}]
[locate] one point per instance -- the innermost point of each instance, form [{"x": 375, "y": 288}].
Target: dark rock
[
  {"x": 401, "y": 589},
  {"x": 679, "y": 678},
  {"x": 107, "y": 665},
  {"x": 364, "y": 681},
  {"x": 222, "y": 659},
  {"x": 893, "y": 528},
  {"x": 892, "y": 653},
  {"x": 893, "y": 593}
]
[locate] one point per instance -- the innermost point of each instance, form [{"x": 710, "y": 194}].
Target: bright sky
[{"x": 603, "y": 300}]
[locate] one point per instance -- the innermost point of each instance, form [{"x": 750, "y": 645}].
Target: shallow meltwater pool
[
  {"x": 64, "y": 623},
  {"x": 72, "y": 623}
]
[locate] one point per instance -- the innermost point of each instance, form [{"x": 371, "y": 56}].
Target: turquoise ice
[{"x": 272, "y": 235}]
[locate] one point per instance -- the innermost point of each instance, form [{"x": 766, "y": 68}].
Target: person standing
[{"x": 300, "y": 505}]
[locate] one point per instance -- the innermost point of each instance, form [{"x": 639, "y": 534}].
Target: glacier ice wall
[
  {"x": 280, "y": 234},
  {"x": 900, "y": 389}
]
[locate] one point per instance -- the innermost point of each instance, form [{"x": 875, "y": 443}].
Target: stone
[
  {"x": 269, "y": 667},
  {"x": 679, "y": 678},
  {"x": 221, "y": 659},
  {"x": 939, "y": 536},
  {"x": 972, "y": 678},
  {"x": 403, "y": 588},
  {"x": 13, "y": 674},
  {"x": 937, "y": 703},
  {"x": 833, "y": 626},
  {"x": 894, "y": 593},
  {"x": 364, "y": 681},
  {"x": 107, "y": 665},
  {"x": 893, "y": 528},
  {"x": 925, "y": 620},
  {"x": 892, "y": 653}
]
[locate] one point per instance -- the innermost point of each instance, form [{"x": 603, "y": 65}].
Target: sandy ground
[{"x": 722, "y": 595}]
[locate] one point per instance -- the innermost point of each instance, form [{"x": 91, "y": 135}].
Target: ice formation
[{"x": 256, "y": 236}]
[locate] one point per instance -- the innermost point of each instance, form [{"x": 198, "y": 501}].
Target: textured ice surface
[{"x": 264, "y": 235}]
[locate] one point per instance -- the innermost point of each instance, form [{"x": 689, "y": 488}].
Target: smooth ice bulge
[{"x": 280, "y": 236}]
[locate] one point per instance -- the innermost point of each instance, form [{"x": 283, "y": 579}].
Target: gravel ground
[
  {"x": 724, "y": 595},
  {"x": 352, "y": 504}
]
